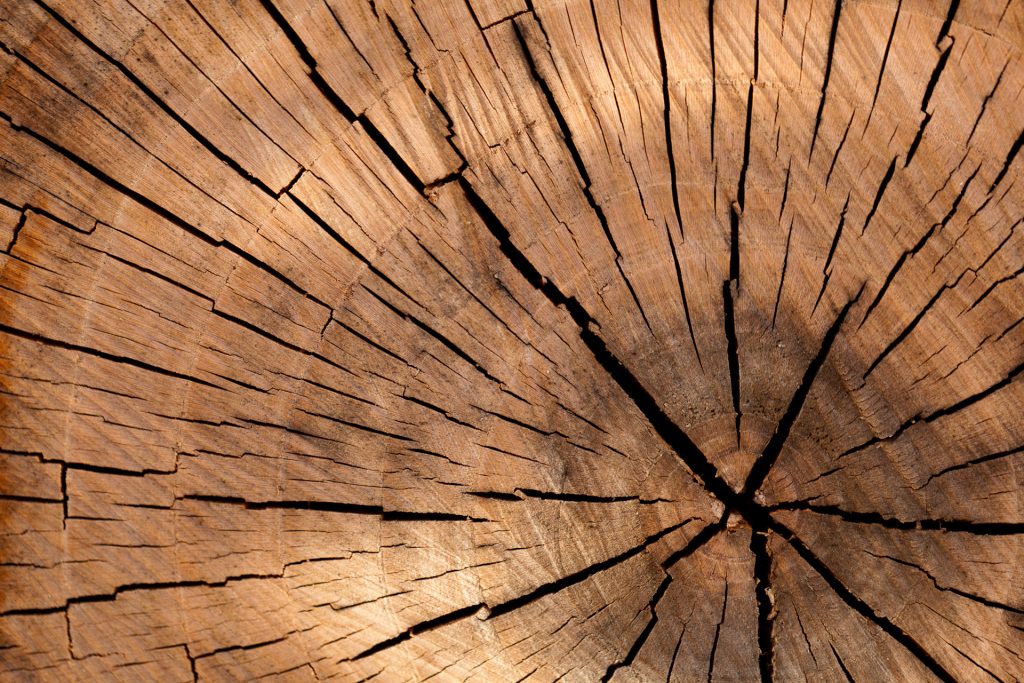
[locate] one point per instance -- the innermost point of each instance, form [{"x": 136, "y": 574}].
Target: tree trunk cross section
[{"x": 512, "y": 340}]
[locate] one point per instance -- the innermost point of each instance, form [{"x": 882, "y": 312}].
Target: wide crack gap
[
  {"x": 714, "y": 77},
  {"x": 861, "y": 607},
  {"x": 731, "y": 287},
  {"x": 330, "y": 506},
  {"x": 765, "y": 604},
  {"x": 667, "y": 429},
  {"x": 730, "y": 291},
  {"x": 948, "y": 525}
]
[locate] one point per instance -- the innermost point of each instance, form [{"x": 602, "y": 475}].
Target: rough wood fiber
[{"x": 501, "y": 340}]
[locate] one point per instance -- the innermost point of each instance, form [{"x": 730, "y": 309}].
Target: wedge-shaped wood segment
[{"x": 508, "y": 340}]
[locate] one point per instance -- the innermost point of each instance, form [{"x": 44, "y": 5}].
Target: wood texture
[{"x": 500, "y": 340}]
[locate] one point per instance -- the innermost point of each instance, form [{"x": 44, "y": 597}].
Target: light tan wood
[{"x": 506, "y": 340}]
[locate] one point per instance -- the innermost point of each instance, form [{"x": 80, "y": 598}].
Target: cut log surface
[{"x": 498, "y": 340}]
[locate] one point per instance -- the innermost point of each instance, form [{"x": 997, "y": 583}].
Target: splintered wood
[{"x": 500, "y": 340}]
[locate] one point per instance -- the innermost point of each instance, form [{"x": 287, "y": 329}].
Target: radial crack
[
  {"x": 486, "y": 612},
  {"x": 581, "y": 168},
  {"x": 945, "y": 43},
  {"x": 705, "y": 535},
  {"x": 765, "y": 603},
  {"x": 730, "y": 291},
  {"x": 667, "y": 429},
  {"x": 762, "y": 466},
  {"x": 833, "y": 33},
  {"x": 861, "y": 607},
  {"x": 950, "y": 525},
  {"x": 718, "y": 633},
  {"x": 938, "y": 412},
  {"x": 666, "y": 95}
]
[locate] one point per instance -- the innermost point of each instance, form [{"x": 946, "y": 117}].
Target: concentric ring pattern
[{"x": 500, "y": 340}]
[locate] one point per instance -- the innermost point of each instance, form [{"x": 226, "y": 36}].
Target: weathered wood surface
[{"x": 494, "y": 340}]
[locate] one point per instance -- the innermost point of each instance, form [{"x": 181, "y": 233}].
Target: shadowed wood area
[{"x": 499, "y": 340}]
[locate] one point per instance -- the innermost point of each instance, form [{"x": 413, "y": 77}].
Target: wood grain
[{"x": 505, "y": 340}]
